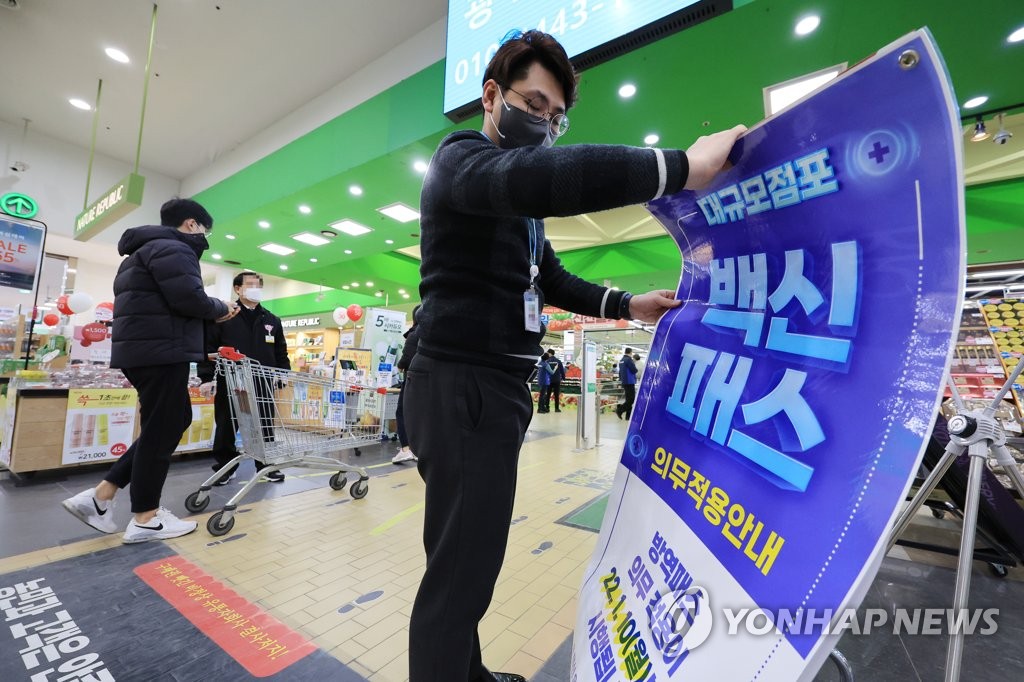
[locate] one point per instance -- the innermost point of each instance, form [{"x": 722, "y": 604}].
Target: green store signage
[{"x": 114, "y": 204}]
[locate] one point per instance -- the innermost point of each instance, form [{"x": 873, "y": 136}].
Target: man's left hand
[
  {"x": 208, "y": 389},
  {"x": 651, "y": 306}
]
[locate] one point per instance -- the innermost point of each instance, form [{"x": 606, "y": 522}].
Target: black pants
[
  {"x": 556, "y": 394},
  {"x": 224, "y": 437},
  {"x": 403, "y": 436},
  {"x": 466, "y": 424},
  {"x": 544, "y": 399},
  {"x": 629, "y": 391},
  {"x": 166, "y": 412}
]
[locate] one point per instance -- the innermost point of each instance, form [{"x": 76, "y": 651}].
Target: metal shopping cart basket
[{"x": 291, "y": 419}]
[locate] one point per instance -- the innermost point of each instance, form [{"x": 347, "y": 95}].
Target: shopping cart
[{"x": 291, "y": 419}]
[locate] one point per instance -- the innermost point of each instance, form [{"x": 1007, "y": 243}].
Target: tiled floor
[{"x": 344, "y": 573}]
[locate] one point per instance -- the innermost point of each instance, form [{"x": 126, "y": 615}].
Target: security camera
[
  {"x": 19, "y": 166},
  {"x": 1002, "y": 137}
]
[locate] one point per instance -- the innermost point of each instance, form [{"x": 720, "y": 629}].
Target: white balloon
[
  {"x": 340, "y": 316},
  {"x": 79, "y": 302}
]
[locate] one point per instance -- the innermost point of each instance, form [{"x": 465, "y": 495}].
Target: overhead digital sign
[{"x": 475, "y": 28}]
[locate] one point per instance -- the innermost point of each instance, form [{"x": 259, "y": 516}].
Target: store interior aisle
[{"x": 342, "y": 573}]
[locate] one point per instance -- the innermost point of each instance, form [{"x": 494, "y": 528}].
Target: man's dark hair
[
  {"x": 551, "y": 351},
  {"x": 636, "y": 357},
  {"x": 629, "y": 351},
  {"x": 518, "y": 53},
  {"x": 176, "y": 211},
  {"x": 240, "y": 277}
]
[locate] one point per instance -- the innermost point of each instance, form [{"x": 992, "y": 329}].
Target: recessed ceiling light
[
  {"x": 975, "y": 102},
  {"x": 379, "y": 294},
  {"x": 271, "y": 247},
  {"x": 348, "y": 252},
  {"x": 419, "y": 165},
  {"x": 1016, "y": 36},
  {"x": 305, "y": 210},
  {"x": 369, "y": 284},
  {"x": 807, "y": 25},
  {"x": 283, "y": 266},
  {"x": 627, "y": 91},
  {"x": 651, "y": 139},
  {"x": 401, "y": 291},
  {"x": 389, "y": 241},
  {"x": 355, "y": 284},
  {"x": 264, "y": 224},
  {"x": 80, "y": 104},
  {"x": 215, "y": 256},
  {"x": 405, "y": 295},
  {"x": 229, "y": 236},
  {"x": 310, "y": 238},
  {"x": 355, "y": 190},
  {"x": 312, "y": 260},
  {"x": 351, "y": 227},
  {"x": 345, "y": 287},
  {"x": 117, "y": 55},
  {"x": 400, "y": 212}
]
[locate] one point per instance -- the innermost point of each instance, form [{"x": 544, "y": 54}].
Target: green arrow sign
[{"x": 18, "y": 205}]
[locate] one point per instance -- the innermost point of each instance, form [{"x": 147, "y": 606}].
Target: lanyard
[{"x": 534, "y": 270}]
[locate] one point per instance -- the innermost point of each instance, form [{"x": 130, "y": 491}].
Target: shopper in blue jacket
[
  {"x": 159, "y": 310},
  {"x": 627, "y": 377}
]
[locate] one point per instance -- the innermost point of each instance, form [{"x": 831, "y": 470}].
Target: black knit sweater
[{"x": 477, "y": 205}]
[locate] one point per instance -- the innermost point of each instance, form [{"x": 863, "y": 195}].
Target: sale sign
[
  {"x": 21, "y": 253},
  {"x": 100, "y": 424},
  {"x": 786, "y": 404}
]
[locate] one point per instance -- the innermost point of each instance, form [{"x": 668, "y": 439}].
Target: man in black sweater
[
  {"x": 487, "y": 272},
  {"x": 159, "y": 308},
  {"x": 256, "y": 333}
]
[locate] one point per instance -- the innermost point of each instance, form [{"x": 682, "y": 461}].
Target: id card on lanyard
[{"x": 531, "y": 300}]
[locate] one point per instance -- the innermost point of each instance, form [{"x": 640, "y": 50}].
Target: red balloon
[
  {"x": 62, "y": 305},
  {"x": 85, "y": 343},
  {"x": 94, "y": 332},
  {"x": 51, "y": 319},
  {"x": 355, "y": 312}
]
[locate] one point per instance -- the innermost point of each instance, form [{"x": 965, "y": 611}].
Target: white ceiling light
[
  {"x": 117, "y": 55},
  {"x": 348, "y": 252},
  {"x": 1016, "y": 36},
  {"x": 271, "y": 247},
  {"x": 229, "y": 236},
  {"x": 355, "y": 284},
  {"x": 369, "y": 284},
  {"x": 379, "y": 294},
  {"x": 651, "y": 139},
  {"x": 355, "y": 190},
  {"x": 627, "y": 91},
  {"x": 345, "y": 287},
  {"x": 807, "y": 25},
  {"x": 419, "y": 165},
  {"x": 400, "y": 212},
  {"x": 305, "y": 210},
  {"x": 312, "y": 260},
  {"x": 283, "y": 266},
  {"x": 995, "y": 273},
  {"x": 215, "y": 256},
  {"x": 401, "y": 291},
  {"x": 310, "y": 238},
  {"x": 983, "y": 287},
  {"x": 351, "y": 227},
  {"x": 779, "y": 96},
  {"x": 405, "y": 295},
  {"x": 264, "y": 224},
  {"x": 389, "y": 241},
  {"x": 975, "y": 102},
  {"x": 80, "y": 104}
]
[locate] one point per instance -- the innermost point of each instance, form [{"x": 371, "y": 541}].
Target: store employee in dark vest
[
  {"x": 487, "y": 271},
  {"x": 256, "y": 333}
]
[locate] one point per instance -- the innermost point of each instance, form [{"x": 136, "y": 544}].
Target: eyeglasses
[
  {"x": 559, "y": 122},
  {"x": 202, "y": 227}
]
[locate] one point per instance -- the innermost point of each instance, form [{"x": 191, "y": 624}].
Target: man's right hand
[
  {"x": 232, "y": 311},
  {"x": 708, "y": 156}
]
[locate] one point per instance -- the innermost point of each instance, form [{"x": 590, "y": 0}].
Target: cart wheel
[
  {"x": 338, "y": 481},
  {"x": 938, "y": 513},
  {"x": 359, "y": 490},
  {"x": 213, "y": 525},
  {"x": 358, "y": 452},
  {"x": 196, "y": 505},
  {"x": 999, "y": 570}
]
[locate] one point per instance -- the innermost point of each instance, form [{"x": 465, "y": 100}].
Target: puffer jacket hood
[{"x": 135, "y": 238}]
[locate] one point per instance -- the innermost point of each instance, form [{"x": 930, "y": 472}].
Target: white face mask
[{"x": 254, "y": 294}]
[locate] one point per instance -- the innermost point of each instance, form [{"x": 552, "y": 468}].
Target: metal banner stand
[{"x": 979, "y": 434}]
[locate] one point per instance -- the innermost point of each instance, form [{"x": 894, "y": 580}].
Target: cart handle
[{"x": 229, "y": 353}]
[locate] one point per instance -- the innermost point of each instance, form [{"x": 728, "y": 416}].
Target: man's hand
[
  {"x": 208, "y": 389},
  {"x": 709, "y": 154},
  {"x": 232, "y": 311},
  {"x": 651, "y": 306}
]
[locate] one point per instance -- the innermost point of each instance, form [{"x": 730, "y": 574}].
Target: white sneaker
[
  {"x": 86, "y": 508},
  {"x": 161, "y": 527},
  {"x": 404, "y": 456}
]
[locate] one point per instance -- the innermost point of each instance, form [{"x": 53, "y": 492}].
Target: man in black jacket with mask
[
  {"x": 159, "y": 309},
  {"x": 486, "y": 272},
  {"x": 256, "y": 333}
]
